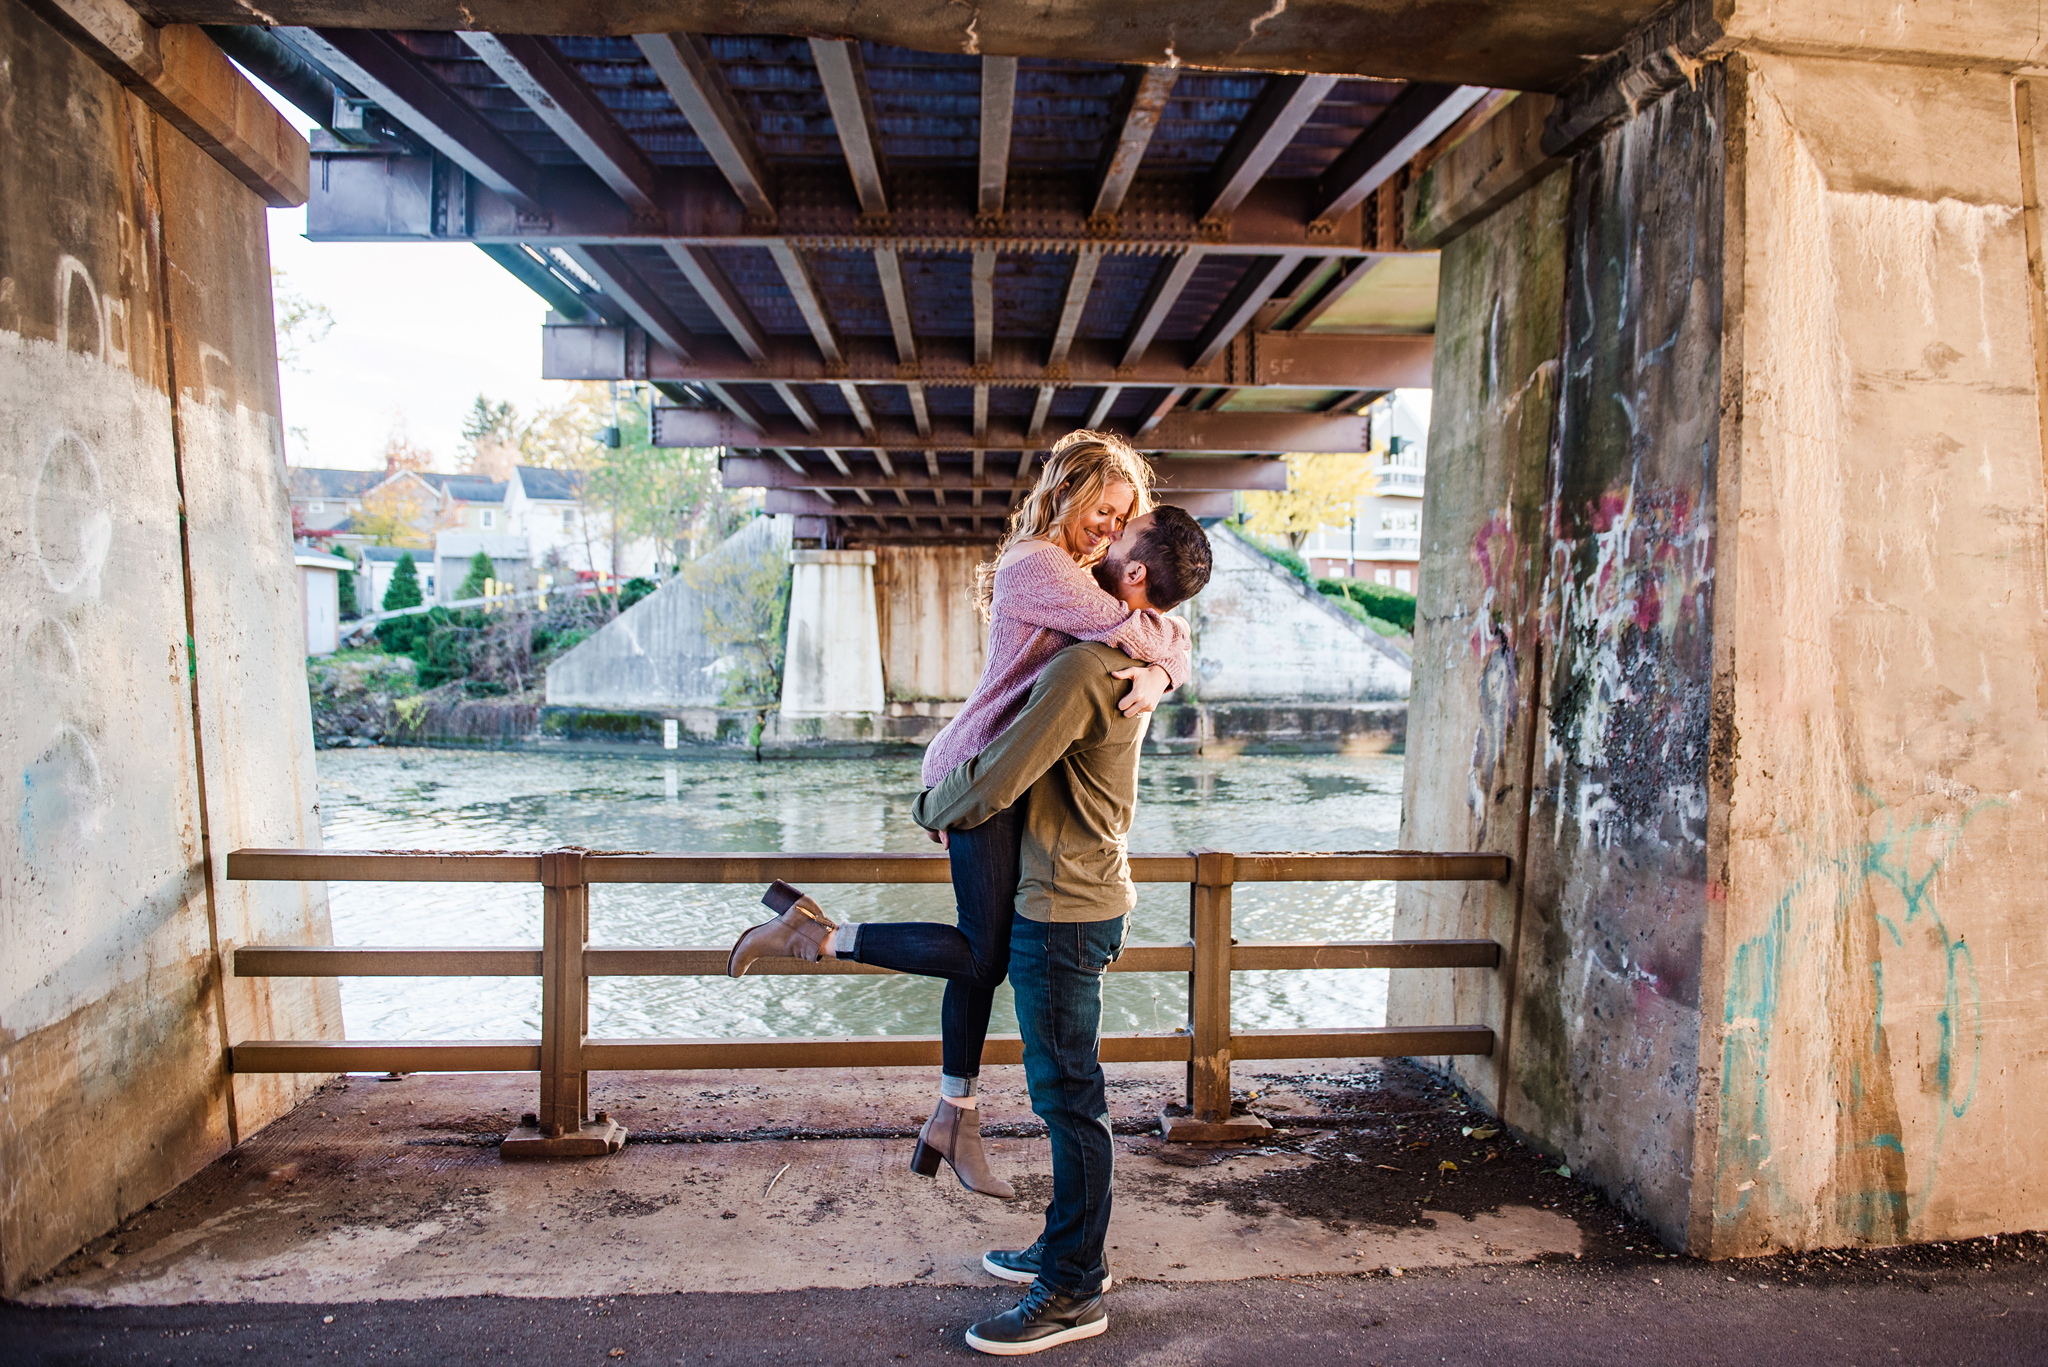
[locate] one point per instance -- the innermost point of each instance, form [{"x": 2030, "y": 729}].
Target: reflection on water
[{"x": 427, "y": 799}]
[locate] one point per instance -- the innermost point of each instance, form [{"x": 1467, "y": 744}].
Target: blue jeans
[
  {"x": 1056, "y": 971},
  {"x": 974, "y": 956}
]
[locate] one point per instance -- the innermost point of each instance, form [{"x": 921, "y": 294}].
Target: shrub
[
  {"x": 1384, "y": 628},
  {"x": 1388, "y": 604},
  {"x": 1280, "y": 555},
  {"x": 481, "y": 572},
  {"x": 405, "y": 635},
  {"x": 347, "y": 582},
  {"x": 638, "y": 587},
  {"x": 404, "y": 591}
]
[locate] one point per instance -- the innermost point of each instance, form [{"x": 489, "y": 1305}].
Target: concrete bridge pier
[
  {"x": 1733, "y": 629},
  {"x": 156, "y": 713},
  {"x": 832, "y": 665}
]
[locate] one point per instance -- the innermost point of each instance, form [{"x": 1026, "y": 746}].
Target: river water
[{"x": 444, "y": 799}]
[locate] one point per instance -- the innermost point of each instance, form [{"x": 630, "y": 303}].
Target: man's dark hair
[{"x": 1175, "y": 553}]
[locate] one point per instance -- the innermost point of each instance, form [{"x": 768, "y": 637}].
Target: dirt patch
[
  {"x": 1393, "y": 1147},
  {"x": 1034, "y": 1190},
  {"x": 614, "y": 1204}
]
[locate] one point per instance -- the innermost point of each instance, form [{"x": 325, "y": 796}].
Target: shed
[{"x": 320, "y": 598}]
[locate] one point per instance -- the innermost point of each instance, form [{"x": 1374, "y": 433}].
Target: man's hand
[
  {"x": 1148, "y": 685},
  {"x": 940, "y": 839}
]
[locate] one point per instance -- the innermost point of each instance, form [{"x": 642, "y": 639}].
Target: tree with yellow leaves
[
  {"x": 399, "y": 512},
  {"x": 1322, "y": 491}
]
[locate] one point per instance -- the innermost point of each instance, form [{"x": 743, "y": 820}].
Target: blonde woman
[{"x": 1039, "y": 597}]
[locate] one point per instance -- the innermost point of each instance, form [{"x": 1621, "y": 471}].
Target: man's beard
[{"x": 1109, "y": 571}]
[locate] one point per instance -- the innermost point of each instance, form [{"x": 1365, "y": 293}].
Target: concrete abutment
[
  {"x": 156, "y": 710},
  {"x": 1733, "y": 570}
]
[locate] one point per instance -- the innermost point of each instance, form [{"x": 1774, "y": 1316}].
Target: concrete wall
[
  {"x": 655, "y": 654},
  {"x": 1260, "y": 634},
  {"x": 1500, "y": 309},
  {"x": 1878, "y": 966},
  {"x": 1739, "y": 432},
  {"x": 136, "y": 355},
  {"x": 833, "y": 663},
  {"x": 932, "y": 638}
]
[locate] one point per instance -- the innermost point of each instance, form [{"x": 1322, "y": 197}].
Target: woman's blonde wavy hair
[{"x": 1077, "y": 469}]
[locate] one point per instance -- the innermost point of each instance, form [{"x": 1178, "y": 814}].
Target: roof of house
[
  {"x": 320, "y": 560},
  {"x": 468, "y": 488},
  {"x": 538, "y": 482},
  {"x": 307, "y": 481},
  {"x": 463, "y": 545},
  {"x": 395, "y": 553}
]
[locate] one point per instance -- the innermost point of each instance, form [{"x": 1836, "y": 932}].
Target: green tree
[
  {"x": 488, "y": 421},
  {"x": 480, "y": 569},
  {"x": 404, "y": 591},
  {"x": 672, "y": 495},
  {"x": 346, "y": 582}
]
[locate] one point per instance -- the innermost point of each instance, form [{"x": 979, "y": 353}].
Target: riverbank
[{"x": 364, "y": 700}]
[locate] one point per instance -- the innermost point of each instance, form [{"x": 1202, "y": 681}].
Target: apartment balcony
[
  {"x": 1397, "y": 545},
  {"x": 1397, "y": 480}
]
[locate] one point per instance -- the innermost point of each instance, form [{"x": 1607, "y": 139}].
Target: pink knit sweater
[{"x": 1044, "y": 603}]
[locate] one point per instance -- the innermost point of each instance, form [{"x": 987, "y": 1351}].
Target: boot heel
[{"x": 925, "y": 1162}]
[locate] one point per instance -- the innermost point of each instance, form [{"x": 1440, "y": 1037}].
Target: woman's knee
[{"x": 991, "y": 965}]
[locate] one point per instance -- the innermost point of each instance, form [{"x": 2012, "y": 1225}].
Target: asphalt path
[{"x": 1977, "y": 1303}]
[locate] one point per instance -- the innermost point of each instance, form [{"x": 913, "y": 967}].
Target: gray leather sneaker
[
  {"x": 800, "y": 932},
  {"x": 1043, "y": 1319},
  {"x": 1021, "y": 1265}
]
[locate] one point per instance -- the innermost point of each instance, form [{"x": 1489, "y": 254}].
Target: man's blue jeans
[{"x": 1056, "y": 971}]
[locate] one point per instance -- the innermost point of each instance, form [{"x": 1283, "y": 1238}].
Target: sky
[{"x": 420, "y": 329}]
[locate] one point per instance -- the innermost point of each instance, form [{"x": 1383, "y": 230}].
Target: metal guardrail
[{"x": 565, "y": 961}]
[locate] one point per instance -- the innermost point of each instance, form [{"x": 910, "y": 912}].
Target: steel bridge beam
[
  {"x": 1262, "y": 360},
  {"x": 1418, "y": 116},
  {"x": 540, "y": 76},
  {"x": 376, "y": 196},
  {"x": 385, "y": 70},
  {"x": 1174, "y": 474},
  {"x": 1222, "y": 433}
]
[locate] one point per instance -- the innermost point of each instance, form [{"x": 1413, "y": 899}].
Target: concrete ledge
[{"x": 179, "y": 73}]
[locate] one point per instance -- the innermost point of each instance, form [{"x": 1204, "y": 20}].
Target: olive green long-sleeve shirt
[{"x": 1073, "y": 759}]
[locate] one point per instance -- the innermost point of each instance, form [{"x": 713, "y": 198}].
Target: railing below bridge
[{"x": 565, "y": 961}]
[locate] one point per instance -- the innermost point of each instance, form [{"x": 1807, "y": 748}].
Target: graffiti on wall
[
  {"x": 1497, "y": 555},
  {"x": 1627, "y": 605},
  {"x": 70, "y": 525},
  {"x": 1885, "y": 886}
]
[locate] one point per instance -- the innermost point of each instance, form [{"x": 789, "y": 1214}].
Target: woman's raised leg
[{"x": 973, "y": 957}]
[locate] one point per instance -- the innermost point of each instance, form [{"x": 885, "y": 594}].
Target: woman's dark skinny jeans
[{"x": 974, "y": 956}]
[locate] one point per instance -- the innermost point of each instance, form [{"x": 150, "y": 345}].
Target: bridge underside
[
  {"x": 1732, "y": 629},
  {"x": 899, "y": 275}
]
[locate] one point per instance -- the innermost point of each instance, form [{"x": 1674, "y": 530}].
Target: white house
[
  {"x": 320, "y": 598},
  {"x": 380, "y": 563},
  {"x": 1383, "y": 542},
  {"x": 546, "y": 507}
]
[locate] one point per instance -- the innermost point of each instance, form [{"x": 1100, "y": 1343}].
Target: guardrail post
[
  {"x": 1209, "y": 1011},
  {"x": 559, "y": 1130}
]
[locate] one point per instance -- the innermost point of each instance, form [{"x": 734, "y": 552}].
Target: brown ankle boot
[
  {"x": 954, "y": 1134},
  {"x": 800, "y": 932}
]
